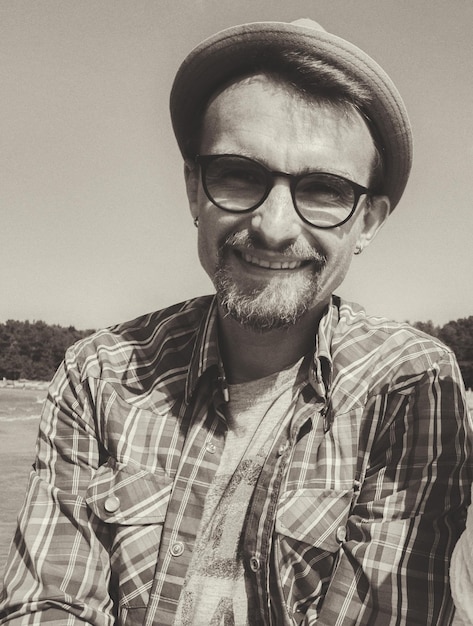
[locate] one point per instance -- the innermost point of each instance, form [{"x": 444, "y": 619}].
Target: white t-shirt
[{"x": 214, "y": 591}]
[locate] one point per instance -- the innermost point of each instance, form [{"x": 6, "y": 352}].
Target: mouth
[{"x": 273, "y": 264}]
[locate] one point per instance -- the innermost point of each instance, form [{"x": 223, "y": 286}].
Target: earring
[
  {"x": 358, "y": 249},
  {"x": 196, "y": 222}
]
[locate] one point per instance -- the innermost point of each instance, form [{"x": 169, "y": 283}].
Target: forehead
[{"x": 266, "y": 118}]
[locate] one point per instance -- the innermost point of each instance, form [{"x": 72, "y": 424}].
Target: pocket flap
[
  {"x": 120, "y": 494},
  {"x": 315, "y": 516}
]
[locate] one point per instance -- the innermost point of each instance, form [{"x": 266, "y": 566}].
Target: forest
[
  {"x": 34, "y": 350},
  {"x": 458, "y": 335}
]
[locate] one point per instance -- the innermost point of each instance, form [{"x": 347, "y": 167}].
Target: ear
[
  {"x": 191, "y": 176},
  {"x": 375, "y": 215}
]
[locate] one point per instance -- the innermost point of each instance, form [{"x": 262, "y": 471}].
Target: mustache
[{"x": 300, "y": 248}]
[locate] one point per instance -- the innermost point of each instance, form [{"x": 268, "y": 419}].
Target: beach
[{"x": 20, "y": 407}]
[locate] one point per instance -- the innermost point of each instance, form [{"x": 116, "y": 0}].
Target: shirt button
[
  {"x": 177, "y": 548},
  {"x": 254, "y": 563},
  {"x": 341, "y": 534},
  {"x": 210, "y": 447},
  {"x": 282, "y": 448},
  {"x": 111, "y": 504}
]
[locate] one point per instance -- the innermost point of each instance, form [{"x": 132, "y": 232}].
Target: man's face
[{"x": 268, "y": 266}]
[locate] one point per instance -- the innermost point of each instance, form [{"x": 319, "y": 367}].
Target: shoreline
[
  {"x": 17, "y": 454},
  {"x": 24, "y": 384},
  {"x": 20, "y": 408}
]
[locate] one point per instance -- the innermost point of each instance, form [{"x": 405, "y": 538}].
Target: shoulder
[
  {"x": 385, "y": 350},
  {"x": 370, "y": 332},
  {"x": 136, "y": 344}
]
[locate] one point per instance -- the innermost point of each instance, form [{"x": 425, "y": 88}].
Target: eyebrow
[{"x": 304, "y": 171}]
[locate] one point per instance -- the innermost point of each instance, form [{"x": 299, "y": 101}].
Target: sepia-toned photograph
[{"x": 236, "y": 314}]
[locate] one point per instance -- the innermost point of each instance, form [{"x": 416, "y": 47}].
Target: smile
[{"x": 272, "y": 265}]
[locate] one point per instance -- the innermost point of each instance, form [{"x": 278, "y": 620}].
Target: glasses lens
[
  {"x": 235, "y": 183},
  {"x": 323, "y": 199}
]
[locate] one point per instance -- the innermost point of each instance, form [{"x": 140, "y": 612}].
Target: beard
[{"x": 279, "y": 302}]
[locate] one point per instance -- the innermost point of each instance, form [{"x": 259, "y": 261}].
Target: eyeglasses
[{"x": 238, "y": 184}]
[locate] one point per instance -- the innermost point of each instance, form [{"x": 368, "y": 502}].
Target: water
[
  {"x": 20, "y": 409},
  {"x": 20, "y": 404}
]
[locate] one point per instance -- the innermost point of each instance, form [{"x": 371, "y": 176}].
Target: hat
[{"x": 237, "y": 50}]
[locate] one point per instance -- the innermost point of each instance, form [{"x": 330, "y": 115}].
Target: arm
[
  {"x": 58, "y": 569},
  {"x": 461, "y": 574},
  {"x": 394, "y": 564}
]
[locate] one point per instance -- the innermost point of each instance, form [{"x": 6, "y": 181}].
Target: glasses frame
[{"x": 204, "y": 160}]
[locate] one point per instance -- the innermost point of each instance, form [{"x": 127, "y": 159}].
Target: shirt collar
[
  {"x": 320, "y": 374},
  {"x": 206, "y": 352}
]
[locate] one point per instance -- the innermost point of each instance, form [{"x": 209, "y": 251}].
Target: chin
[{"x": 280, "y": 304}]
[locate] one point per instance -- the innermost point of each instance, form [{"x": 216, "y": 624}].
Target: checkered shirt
[{"x": 354, "y": 516}]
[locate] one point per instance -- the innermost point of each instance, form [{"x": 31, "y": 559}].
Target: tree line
[
  {"x": 34, "y": 350},
  {"x": 458, "y": 335}
]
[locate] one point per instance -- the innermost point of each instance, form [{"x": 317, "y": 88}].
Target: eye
[
  {"x": 235, "y": 171},
  {"x": 324, "y": 190}
]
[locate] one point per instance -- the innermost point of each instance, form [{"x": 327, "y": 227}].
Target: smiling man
[
  {"x": 279, "y": 218},
  {"x": 270, "y": 454}
]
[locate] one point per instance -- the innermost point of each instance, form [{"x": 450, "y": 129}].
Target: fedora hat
[{"x": 237, "y": 50}]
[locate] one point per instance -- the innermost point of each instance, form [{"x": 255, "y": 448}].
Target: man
[{"x": 271, "y": 455}]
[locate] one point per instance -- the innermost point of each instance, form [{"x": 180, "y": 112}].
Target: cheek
[
  {"x": 207, "y": 251},
  {"x": 215, "y": 226},
  {"x": 344, "y": 263},
  {"x": 213, "y": 231},
  {"x": 340, "y": 257}
]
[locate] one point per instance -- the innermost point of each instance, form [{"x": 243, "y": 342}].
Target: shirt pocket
[
  {"x": 310, "y": 529},
  {"x": 133, "y": 503},
  {"x": 316, "y": 517}
]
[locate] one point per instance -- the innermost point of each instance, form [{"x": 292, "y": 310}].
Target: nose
[{"x": 276, "y": 222}]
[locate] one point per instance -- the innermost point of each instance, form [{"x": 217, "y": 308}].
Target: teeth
[{"x": 274, "y": 265}]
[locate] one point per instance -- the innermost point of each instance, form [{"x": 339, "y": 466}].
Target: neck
[{"x": 248, "y": 354}]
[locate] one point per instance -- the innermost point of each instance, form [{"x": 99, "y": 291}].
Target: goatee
[{"x": 278, "y": 303}]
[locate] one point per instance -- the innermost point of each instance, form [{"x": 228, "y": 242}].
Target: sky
[{"x": 95, "y": 226}]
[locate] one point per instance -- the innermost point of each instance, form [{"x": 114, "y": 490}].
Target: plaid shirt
[{"x": 354, "y": 516}]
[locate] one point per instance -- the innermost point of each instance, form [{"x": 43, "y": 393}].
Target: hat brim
[{"x": 236, "y": 51}]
